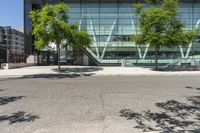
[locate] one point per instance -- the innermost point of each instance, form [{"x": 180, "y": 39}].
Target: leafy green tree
[
  {"x": 160, "y": 27},
  {"x": 50, "y": 25}
]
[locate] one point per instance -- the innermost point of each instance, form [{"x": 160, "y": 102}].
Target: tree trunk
[
  {"x": 156, "y": 58},
  {"x": 74, "y": 56},
  {"x": 59, "y": 68}
]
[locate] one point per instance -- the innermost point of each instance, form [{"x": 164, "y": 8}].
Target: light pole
[
  {"x": 7, "y": 53},
  {"x": 7, "y": 47}
]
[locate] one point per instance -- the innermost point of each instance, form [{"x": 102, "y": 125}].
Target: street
[{"x": 99, "y": 104}]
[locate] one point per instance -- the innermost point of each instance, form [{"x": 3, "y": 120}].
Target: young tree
[
  {"x": 160, "y": 26},
  {"x": 50, "y": 25}
]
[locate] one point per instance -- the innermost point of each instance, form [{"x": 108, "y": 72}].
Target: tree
[
  {"x": 160, "y": 27},
  {"x": 50, "y": 25}
]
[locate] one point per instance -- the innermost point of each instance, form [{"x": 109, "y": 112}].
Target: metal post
[{"x": 7, "y": 54}]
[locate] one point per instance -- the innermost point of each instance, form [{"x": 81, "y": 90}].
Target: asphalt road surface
[{"x": 54, "y": 104}]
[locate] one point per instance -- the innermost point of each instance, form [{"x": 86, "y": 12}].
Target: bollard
[{"x": 123, "y": 64}]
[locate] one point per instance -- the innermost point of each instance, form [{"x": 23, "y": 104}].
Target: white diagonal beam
[
  {"x": 108, "y": 39},
  {"x": 181, "y": 50},
  {"x": 80, "y": 22},
  {"x": 138, "y": 48},
  {"x": 146, "y": 50},
  {"x": 134, "y": 29},
  {"x": 190, "y": 46},
  {"x": 93, "y": 35}
]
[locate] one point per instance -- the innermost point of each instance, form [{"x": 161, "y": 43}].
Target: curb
[{"x": 112, "y": 75}]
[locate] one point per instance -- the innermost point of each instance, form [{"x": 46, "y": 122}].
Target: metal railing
[{"x": 177, "y": 65}]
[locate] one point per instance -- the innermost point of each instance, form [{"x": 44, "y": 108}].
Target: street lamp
[
  {"x": 7, "y": 47},
  {"x": 7, "y": 53}
]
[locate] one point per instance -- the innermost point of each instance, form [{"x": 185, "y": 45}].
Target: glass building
[{"x": 111, "y": 23}]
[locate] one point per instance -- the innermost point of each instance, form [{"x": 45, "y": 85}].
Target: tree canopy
[
  {"x": 50, "y": 25},
  {"x": 159, "y": 26}
]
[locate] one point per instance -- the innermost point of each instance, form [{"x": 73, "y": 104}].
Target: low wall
[
  {"x": 15, "y": 65},
  {"x": 188, "y": 68}
]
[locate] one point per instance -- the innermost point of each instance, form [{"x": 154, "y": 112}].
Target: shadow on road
[
  {"x": 194, "y": 99},
  {"x": 174, "y": 117},
  {"x": 189, "y": 87},
  {"x": 5, "y": 100},
  {"x": 19, "y": 117}
]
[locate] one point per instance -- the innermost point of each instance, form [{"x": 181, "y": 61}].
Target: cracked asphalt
[{"x": 87, "y": 104}]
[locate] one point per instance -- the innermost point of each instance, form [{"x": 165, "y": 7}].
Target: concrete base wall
[
  {"x": 31, "y": 59},
  {"x": 78, "y": 61},
  {"x": 15, "y": 65},
  {"x": 85, "y": 60}
]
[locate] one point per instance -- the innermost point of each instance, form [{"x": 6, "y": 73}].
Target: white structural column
[{"x": 108, "y": 39}]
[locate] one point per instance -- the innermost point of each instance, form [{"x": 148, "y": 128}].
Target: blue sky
[{"x": 11, "y": 13}]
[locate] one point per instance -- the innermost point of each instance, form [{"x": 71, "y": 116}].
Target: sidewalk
[{"x": 92, "y": 71}]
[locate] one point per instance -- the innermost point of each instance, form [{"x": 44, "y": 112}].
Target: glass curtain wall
[{"x": 111, "y": 23}]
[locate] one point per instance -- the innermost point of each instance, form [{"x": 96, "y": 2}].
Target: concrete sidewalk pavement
[{"x": 92, "y": 71}]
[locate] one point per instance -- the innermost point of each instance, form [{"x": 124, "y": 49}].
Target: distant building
[
  {"x": 11, "y": 45},
  {"x": 2, "y": 46}
]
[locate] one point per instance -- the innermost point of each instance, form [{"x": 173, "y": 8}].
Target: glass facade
[{"x": 111, "y": 23}]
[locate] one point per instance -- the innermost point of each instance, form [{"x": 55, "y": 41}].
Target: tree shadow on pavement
[
  {"x": 63, "y": 73},
  {"x": 78, "y": 70},
  {"x": 196, "y": 88},
  {"x": 68, "y": 73},
  {"x": 194, "y": 99},
  {"x": 54, "y": 76},
  {"x": 19, "y": 117},
  {"x": 175, "y": 117},
  {"x": 5, "y": 100}
]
